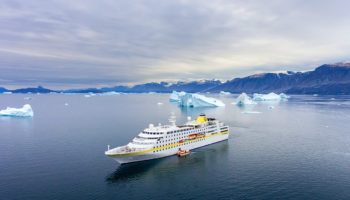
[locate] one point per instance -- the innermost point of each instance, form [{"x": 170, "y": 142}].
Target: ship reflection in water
[{"x": 199, "y": 158}]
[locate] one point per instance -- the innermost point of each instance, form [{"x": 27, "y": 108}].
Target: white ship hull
[{"x": 123, "y": 159}]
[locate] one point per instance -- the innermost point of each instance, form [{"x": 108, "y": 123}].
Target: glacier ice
[
  {"x": 197, "y": 100},
  {"x": 175, "y": 96},
  {"x": 270, "y": 97},
  {"x": 25, "y": 111},
  {"x": 244, "y": 99}
]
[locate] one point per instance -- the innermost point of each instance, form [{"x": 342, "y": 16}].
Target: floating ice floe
[
  {"x": 175, "y": 96},
  {"x": 197, "y": 100},
  {"x": 66, "y": 104},
  {"x": 244, "y": 99},
  {"x": 269, "y": 97},
  {"x": 27, "y": 98},
  {"x": 109, "y": 93},
  {"x": 250, "y": 112},
  {"x": 224, "y": 93},
  {"x": 25, "y": 111},
  {"x": 7, "y": 92},
  {"x": 159, "y": 103},
  {"x": 89, "y": 95}
]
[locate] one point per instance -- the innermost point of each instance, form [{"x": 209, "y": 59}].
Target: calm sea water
[{"x": 300, "y": 149}]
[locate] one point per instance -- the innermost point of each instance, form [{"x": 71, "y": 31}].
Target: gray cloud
[{"x": 82, "y": 43}]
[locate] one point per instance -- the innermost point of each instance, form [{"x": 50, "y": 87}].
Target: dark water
[{"x": 300, "y": 149}]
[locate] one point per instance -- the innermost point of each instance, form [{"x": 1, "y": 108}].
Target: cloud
[{"x": 88, "y": 43}]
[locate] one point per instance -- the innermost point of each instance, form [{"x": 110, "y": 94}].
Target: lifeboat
[
  {"x": 192, "y": 136},
  {"x": 182, "y": 153}
]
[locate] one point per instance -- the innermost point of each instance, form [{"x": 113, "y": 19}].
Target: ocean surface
[{"x": 298, "y": 149}]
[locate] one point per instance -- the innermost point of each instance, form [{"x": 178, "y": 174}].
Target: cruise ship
[{"x": 166, "y": 140}]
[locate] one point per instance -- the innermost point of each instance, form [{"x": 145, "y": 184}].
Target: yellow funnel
[{"x": 202, "y": 119}]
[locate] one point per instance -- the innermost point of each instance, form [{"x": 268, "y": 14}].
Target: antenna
[{"x": 172, "y": 119}]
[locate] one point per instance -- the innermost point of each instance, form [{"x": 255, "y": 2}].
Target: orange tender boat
[{"x": 182, "y": 153}]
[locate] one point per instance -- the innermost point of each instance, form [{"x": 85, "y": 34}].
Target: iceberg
[
  {"x": 27, "y": 98},
  {"x": 270, "y": 97},
  {"x": 89, "y": 95},
  {"x": 25, "y": 111},
  {"x": 284, "y": 96},
  {"x": 109, "y": 93},
  {"x": 224, "y": 93},
  {"x": 244, "y": 99},
  {"x": 175, "y": 96},
  {"x": 266, "y": 97},
  {"x": 7, "y": 92},
  {"x": 250, "y": 112},
  {"x": 197, "y": 100},
  {"x": 194, "y": 100}
]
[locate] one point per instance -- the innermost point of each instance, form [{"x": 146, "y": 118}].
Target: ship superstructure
[{"x": 165, "y": 140}]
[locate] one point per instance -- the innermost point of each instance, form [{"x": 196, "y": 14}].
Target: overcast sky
[{"x": 82, "y": 43}]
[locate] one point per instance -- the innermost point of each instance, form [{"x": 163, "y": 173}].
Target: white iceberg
[
  {"x": 197, "y": 100},
  {"x": 109, "y": 93},
  {"x": 224, "y": 93},
  {"x": 284, "y": 96},
  {"x": 89, "y": 95},
  {"x": 250, "y": 112},
  {"x": 270, "y": 97},
  {"x": 175, "y": 96},
  {"x": 159, "y": 103},
  {"x": 266, "y": 97},
  {"x": 244, "y": 99},
  {"x": 25, "y": 111},
  {"x": 7, "y": 92}
]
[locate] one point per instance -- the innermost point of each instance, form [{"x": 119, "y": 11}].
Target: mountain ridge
[{"x": 325, "y": 79}]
